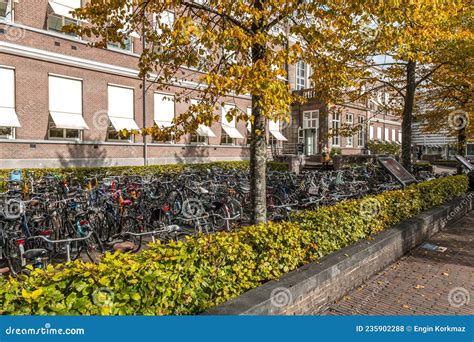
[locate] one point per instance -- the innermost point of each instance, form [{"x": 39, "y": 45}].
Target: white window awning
[
  {"x": 68, "y": 120},
  {"x": 61, "y": 9},
  {"x": 232, "y": 132},
  {"x": 8, "y": 118},
  {"x": 274, "y": 128},
  {"x": 278, "y": 136},
  {"x": 205, "y": 131},
  {"x": 123, "y": 123},
  {"x": 164, "y": 124}
]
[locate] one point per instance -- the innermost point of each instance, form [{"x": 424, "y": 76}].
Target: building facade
[
  {"x": 315, "y": 125},
  {"x": 63, "y": 102}
]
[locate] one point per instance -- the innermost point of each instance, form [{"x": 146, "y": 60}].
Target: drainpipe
[{"x": 145, "y": 137}]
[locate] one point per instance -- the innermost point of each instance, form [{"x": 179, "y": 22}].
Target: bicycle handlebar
[{"x": 60, "y": 241}]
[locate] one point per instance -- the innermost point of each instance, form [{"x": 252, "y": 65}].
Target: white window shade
[
  {"x": 164, "y": 110},
  {"x": 65, "y": 103},
  {"x": 64, "y": 8},
  {"x": 274, "y": 128},
  {"x": 68, "y": 121},
  {"x": 121, "y": 108},
  {"x": 230, "y": 126},
  {"x": 8, "y": 117},
  {"x": 249, "y": 124},
  {"x": 203, "y": 130}
]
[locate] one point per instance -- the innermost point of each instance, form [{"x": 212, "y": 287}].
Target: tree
[
  {"x": 411, "y": 33},
  {"x": 446, "y": 99},
  {"x": 231, "y": 48}
]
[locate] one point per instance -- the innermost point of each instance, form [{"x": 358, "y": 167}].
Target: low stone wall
[{"x": 312, "y": 288}]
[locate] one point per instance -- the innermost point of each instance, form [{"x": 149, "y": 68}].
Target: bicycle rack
[
  {"x": 168, "y": 229},
  {"x": 66, "y": 241}
]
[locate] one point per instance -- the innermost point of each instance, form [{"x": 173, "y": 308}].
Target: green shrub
[
  {"x": 383, "y": 147},
  {"x": 335, "y": 151},
  {"x": 81, "y": 172},
  {"x": 187, "y": 278}
]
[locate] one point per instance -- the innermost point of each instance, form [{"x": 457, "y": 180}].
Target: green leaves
[{"x": 188, "y": 278}]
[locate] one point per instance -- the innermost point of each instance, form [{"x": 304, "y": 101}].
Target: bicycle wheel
[
  {"x": 131, "y": 225},
  {"x": 175, "y": 202}
]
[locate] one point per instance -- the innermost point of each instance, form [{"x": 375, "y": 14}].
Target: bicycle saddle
[{"x": 35, "y": 253}]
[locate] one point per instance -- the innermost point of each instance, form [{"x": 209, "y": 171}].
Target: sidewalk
[{"x": 424, "y": 282}]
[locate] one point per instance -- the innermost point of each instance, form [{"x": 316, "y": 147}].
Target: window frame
[
  {"x": 350, "y": 139},
  {"x": 9, "y": 13},
  {"x": 10, "y": 136},
  {"x": 301, "y": 75},
  {"x": 198, "y": 137},
  {"x": 336, "y": 124},
  {"x": 63, "y": 23},
  {"x": 51, "y": 125},
  {"x": 361, "y": 133}
]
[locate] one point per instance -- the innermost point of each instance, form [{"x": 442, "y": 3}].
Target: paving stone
[{"x": 421, "y": 282}]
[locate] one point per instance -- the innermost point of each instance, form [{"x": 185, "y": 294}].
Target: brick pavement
[{"x": 423, "y": 282}]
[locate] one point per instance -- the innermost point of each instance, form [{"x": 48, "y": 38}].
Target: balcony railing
[{"x": 308, "y": 94}]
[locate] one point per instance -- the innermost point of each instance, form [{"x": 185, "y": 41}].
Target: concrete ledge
[{"x": 313, "y": 287}]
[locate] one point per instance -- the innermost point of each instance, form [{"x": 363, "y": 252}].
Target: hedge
[
  {"x": 81, "y": 172},
  {"x": 189, "y": 277}
]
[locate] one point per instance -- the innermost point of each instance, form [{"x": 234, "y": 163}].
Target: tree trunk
[
  {"x": 258, "y": 145},
  {"x": 408, "y": 115},
  {"x": 461, "y": 148},
  {"x": 258, "y": 166}
]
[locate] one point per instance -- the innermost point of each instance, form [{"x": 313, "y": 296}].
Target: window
[
  {"x": 164, "y": 111},
  {"x": 127, "y": 45},
  {"x": 63, "y": 133},
  {"x": 6, "y": 10},
  {"x": 121, "y": 112},
  {"x": 301, "y": 75},
  {"x": 349, "y": 123},
  {"x": 394, "y": 135},
  {"x": 274, "y": 128},
  {"x": 7, "y": 133},
  {"x": 399, "y": 136},
  {"x": 60, "y": 15},
  {"x": 8, "y": 118},
  {"x": 387, "y": 135},
  {"x": 229, "y": 131},
  {"x": 226, "y": 139},
  {"x": 379, "y": 133},
  {"x": 65, "y": 108},
  {"x": 311, "y": 119},
  {"x": 199, "y": 139},
  {"x": 203, "y": 132},
  {"x": 371, "y": 132},
  {"x": 336, "y": 121},
  {"x": 470, "y": 150},
  {"x": 361, "y": 131}
]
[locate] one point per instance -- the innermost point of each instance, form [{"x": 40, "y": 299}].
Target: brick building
[
  {"x": 62, "y": 102},
  {"x": 314, "y": 123}
]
